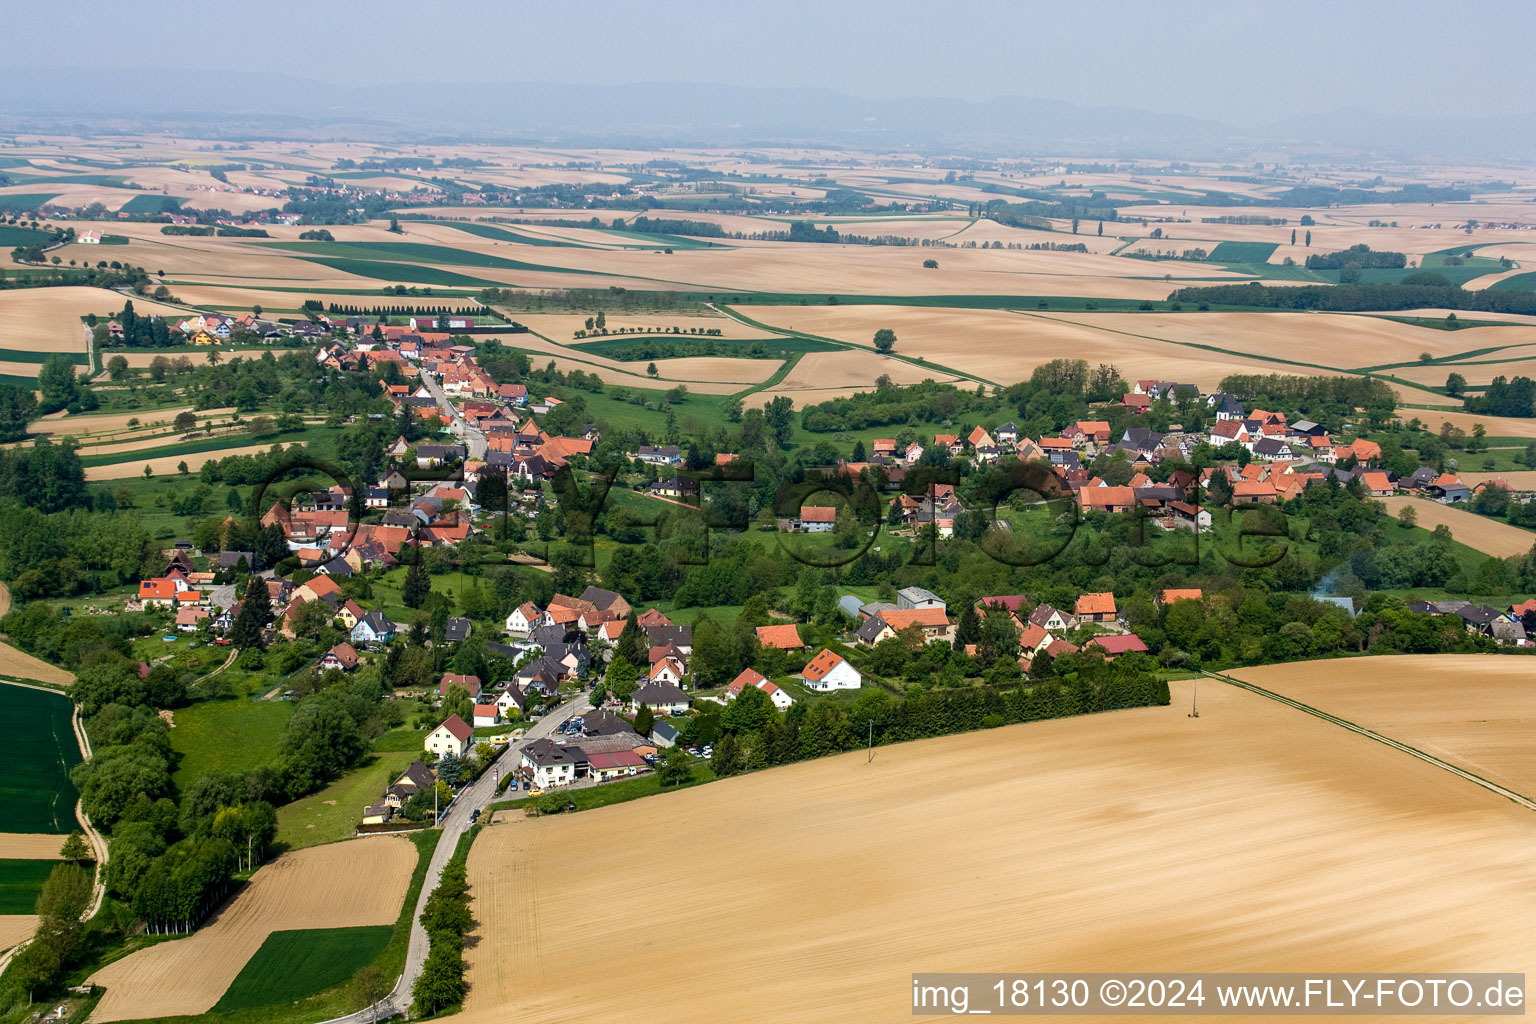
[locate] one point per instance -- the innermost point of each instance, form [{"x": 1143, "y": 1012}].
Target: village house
[
  {"x": 830, "y": 671},
  {"x": 343, "y": 657},
  {"x": 751, "y": 677},
  {"x": 1095, "y": 608},
  {"x": 661, "y": 697},
  {"x": 545, "y": 763},
  {"x": 453, "y": 736}
]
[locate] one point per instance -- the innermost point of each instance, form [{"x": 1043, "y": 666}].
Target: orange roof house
[
  {"x": 1095, "y": 607},
  {"x": 1171, "y": 595},
  {"x": 157, "y": 590},
  {"x": 785, "y": 637}
]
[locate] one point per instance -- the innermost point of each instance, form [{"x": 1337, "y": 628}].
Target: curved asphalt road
[{"x": 477, "y": 796}]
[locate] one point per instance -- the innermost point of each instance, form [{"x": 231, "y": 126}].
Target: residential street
[
  {"x": 474, "y": 439},
  {"x": 455, "y": 823}
]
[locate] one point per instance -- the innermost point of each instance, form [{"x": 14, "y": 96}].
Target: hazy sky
[{"x": 1236, "y": 60}]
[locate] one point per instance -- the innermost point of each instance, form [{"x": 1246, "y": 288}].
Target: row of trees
[{"x": 1431, "y": 291}]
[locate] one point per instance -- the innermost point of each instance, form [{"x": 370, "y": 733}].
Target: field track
[{"x": 1492, "y": 787}]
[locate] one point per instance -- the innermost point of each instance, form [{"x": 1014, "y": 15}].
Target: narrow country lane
[{"x": 476, "y": 797}]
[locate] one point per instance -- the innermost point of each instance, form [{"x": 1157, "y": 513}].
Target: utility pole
[
  {"x": 1194, "y": 703},
  {"x": 871, "y": 756}
]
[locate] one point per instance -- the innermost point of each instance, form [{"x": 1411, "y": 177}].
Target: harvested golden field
[
  {"x": 342, "y": 885},
  {"x": 167, "y": 463},
  {"x": 822, "y": 376},
  {"x": 1522, "y": 361},
  {"x": 108, "y": 424},
  {"x": 1520, "y": 479},
  {"x": 20, "y": 665},
  {"x": 1490, "y": 536},
  {"x": 29, "y": 845},
  {"x": 1329, "y": 340},
  {"x": 718, "y": 375},
  {"x": 1497, "y": 426},
  {"x": 561, "y": 327},
  {"x": 16, "y": 927},
  {"x": 1476, "y": 711},
  {"x": 1005, "y": 347},
  {"x": 48, "y": 319},
  {"x": 1253, "y": 838}
]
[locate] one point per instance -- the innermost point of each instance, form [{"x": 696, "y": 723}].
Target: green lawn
[
  {"x": 35, "y": 792},
  {"x": 227, "y": 735},
  {"x": 334, "y": 812},
  {"x": 293, "y": 965},
  {"x": 20, "y": 882}
]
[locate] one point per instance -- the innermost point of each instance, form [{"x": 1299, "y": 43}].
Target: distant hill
[{"x": 235, "y": 102}]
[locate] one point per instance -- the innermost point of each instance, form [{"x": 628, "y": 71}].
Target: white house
[
  {"x": 668, "y": 670},
  {"x": 545, "y": 763},
  {"x": 487, "y": 714},
  {"x": 452, "y": 737},
  {"x": 754, "y": 678},
  {"x": 829, "y": 671},
  {"x": 523, "y": 618},
  {"x": 661, "y": 698}
]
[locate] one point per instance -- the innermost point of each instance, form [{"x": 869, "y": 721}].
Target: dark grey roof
[
  {"x": 660, "y": 636},
  {"x": 871, "y": 629},
  {"x": 659, "y": 693},
  {"x": 230, "y": 559},
  {"x": 604, "y": 723},
  {"x": 457, "y": 629}
]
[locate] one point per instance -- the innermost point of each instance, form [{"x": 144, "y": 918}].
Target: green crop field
[
  {"x": 20, "y": 882},
  {"x": 12, "y": 235},
  {"x": 1243, "y": 252},
  {"x": 400, "y": 273},
  {"x": 227, "y": 735},
  {"x": 1520, "y": 282},
  {"x": 16, "y": 355},
  {"x": 503, "y": 235},
  {"x": 35, "y": 792},
  {"x": 627, "y": 348},
  {"x": 25, "y": 202},
  {"x": 152, "y": 204},
  {"x": 385, "y": 251},
  {"x": 294, "y": 965}
]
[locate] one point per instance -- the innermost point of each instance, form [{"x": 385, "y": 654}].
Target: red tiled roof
[
  {"x": 785, "y": 637},
  {"x": 1095, "y": 604},
  {"x": 820, "y": 665}
]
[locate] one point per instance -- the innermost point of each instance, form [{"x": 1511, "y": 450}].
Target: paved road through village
[{"x": 455, "y": 823}]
